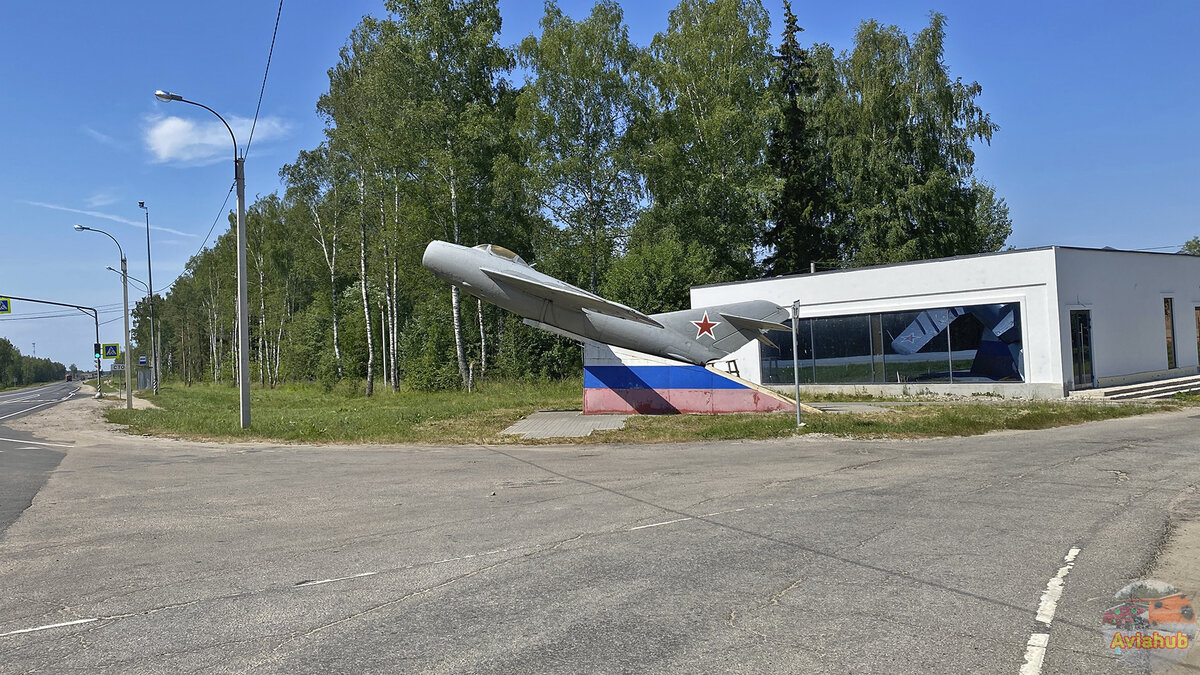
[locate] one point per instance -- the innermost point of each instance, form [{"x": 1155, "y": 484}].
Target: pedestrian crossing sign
[
  {"x": 5, "y": 306},
  {"x": 112, "y": 351}
]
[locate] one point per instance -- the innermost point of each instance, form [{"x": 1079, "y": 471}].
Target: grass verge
[{"x": 306, "y": 414}]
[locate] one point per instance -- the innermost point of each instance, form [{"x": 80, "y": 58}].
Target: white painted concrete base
[{"x": 1029, "y": 390}]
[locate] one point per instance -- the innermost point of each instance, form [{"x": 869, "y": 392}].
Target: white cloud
[
  {"x": 109, "y": 216},
  {"x": 101, "y": 199},
  {"x": 193, "y": 142},
  {"x": 102, "y": 137}
]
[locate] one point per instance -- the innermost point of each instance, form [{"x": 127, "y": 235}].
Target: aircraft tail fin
[{"x": 726, "y": 328}]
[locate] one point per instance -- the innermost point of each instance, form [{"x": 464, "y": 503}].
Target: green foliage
[
  {"x": 573, "y": 114},
  {"x": 800, "y": 231},
  {"x": 1191, "y": 247},
  {"x": 658, "y": 273},
  {"x": 899, "y": 134},
  {"x": 705, "y": 131},
  {"x": 18, "y": 370},
  {"x": 635, "y": 171}
]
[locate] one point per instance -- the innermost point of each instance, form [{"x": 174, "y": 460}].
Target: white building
[{"x": 1037, "y": 322}]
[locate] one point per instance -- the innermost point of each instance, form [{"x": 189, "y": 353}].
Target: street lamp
[
  {"x": 146, "y": 287},
  {"x": 150, "y": 293},
  {"x": 125, "y": 288},
  {"x": 243, "y": 317}
]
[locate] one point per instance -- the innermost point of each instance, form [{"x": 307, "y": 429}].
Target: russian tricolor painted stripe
[{"x": 672, "y": 389}]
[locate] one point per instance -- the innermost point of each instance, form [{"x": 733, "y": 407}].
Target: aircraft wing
[
  {"x": 747, "y": 323},
  {"x": 755, "y": 326},
  {"x": 569, "y": 297}
]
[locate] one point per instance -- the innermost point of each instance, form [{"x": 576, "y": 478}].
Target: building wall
[
  {"x": 1124, "y": 292},
  {"x": 1024, "y": 276}
]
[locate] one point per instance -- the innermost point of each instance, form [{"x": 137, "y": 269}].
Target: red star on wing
[{"x": 705, "y": 326}]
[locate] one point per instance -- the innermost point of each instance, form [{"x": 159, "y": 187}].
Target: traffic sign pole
[{"x": 85, "y": 310}]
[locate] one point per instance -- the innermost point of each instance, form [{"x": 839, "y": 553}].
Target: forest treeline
[
  {"x": 16, "y": 369},
  {"x": 635, "y": 171}
]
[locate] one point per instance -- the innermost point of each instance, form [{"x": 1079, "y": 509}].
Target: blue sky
[{"x": 1097, "y": 105}]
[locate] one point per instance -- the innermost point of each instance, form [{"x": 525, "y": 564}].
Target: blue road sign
[
  {"x": 112, "y": 351},
  {"x": 5, "y": 306},
  {"x": 141, "y": 359}
]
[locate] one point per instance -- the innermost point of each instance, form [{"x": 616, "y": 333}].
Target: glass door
[{"x": 1081, "y": 348}]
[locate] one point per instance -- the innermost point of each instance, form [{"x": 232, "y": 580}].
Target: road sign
[
  {"x": 5, "y": 306},
  {"x": 141, "y": 359},
  {"x": 112, "y": 351}
]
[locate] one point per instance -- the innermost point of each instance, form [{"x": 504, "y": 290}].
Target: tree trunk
[
  {"x": 362, "y": 270},
  {"x": 482, "y": 339},
  {"x": 455, "y": 302}
]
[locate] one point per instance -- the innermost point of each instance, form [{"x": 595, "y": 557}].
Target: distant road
[{"x": 25, "y": 464}]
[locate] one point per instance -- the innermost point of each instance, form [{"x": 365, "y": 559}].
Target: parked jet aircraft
[{"x": 697, "y": 336}]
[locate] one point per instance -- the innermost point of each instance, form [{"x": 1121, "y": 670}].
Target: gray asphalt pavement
[
  {"x": 25, "y": 464},
  {"x": 808, "y": 556}
]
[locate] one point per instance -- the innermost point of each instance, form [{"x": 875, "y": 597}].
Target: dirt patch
[
  {"x": 80, "y": 420},
  {"x": 1177, "y": 564}
]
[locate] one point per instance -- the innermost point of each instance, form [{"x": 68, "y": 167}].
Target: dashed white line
[
  {"x": 21, "y": 412},
  {"x": 330, "y": 581},
  {"x": 1035, "y": 649},
  {"x": 48, "y": 627},
  {"x": 665, "y": 522},
  {"x": 1035, "y": 653},
  {"x": 1054, "y": 589},
  {"x": 49, "y": 445},
  {"x": 703, "y": 515}
]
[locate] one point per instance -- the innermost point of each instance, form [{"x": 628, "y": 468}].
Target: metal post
[
  {"x": 150, "y": 291},
  {"x": 796, "y": 359},
  {"x": 239, "y": 174},
  {"x": 128, "y": 370},
  {"x": 96, "y": 316},
  {"x": 243, "y": 316}
]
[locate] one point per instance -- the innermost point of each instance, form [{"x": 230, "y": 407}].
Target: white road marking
[
  {"x": 704, "y": 515},
  {"x": 330, "y": 581},
  {"x": 1054, "y": 589},
  {"x": 51, "y": 445},
  {"x": 48, "y": 627},
  {"x": 1035, "y": 649},
  {"x": 1035, "y": 653},
  {"x": 20, "y": 412},
  {"x": 665, "y": 522}
]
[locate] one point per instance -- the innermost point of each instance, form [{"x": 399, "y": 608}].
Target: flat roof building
[{"x": 1030, "y": 323}]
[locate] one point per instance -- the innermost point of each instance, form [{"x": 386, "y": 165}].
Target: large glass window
[
  {"x": 976, "y": 343},
  {"x": 1168, "y": 311}
]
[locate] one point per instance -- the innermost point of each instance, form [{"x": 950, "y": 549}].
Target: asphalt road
[
  {"x": 806, "y": 556},
  {"x": 25, "y": 463}
]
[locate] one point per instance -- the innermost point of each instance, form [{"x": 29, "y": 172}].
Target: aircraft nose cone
[{"x": 436, "y": 256}]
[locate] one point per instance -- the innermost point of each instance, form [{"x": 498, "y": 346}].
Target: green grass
[
  {"x": 916, "y": 421},
  {"x": 309, "y": 415}
]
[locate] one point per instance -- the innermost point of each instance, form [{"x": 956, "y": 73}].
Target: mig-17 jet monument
[{"x": 685, "y": 341}]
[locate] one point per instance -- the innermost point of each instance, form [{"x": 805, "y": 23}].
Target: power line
[
  {"x": 220, "y": 212},
  {"x": 270, "y": 52}
]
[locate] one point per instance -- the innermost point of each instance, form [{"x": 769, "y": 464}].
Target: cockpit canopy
[{"x": 501, "y": 252}]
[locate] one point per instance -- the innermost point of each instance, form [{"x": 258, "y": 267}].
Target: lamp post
[
  {"x": 243, "y": 317},
  {"x": 143, "y": 284},
  {"x": 150, "y": 294},
  {"x": 125, "y": 289},
  {"x": 796, "y": 359}
]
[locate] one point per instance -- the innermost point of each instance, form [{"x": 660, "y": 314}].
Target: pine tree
[{"x": 798, "y": 233}]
